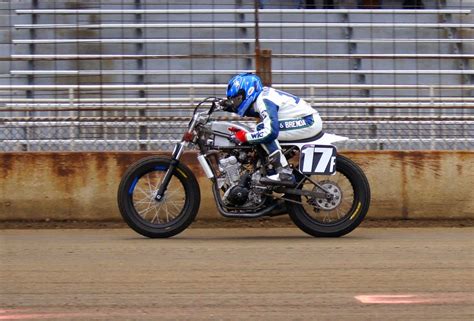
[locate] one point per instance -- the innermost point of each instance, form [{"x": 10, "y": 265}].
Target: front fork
[{"x": 176, "y": 155}]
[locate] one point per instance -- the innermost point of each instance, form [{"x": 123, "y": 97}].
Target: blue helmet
[{"x": 242, "y": 91}]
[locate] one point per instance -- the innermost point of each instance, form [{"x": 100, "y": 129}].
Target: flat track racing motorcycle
[{"x": 159, "y": 197}]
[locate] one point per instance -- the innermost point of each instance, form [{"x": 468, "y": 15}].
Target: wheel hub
[{"x": 333, "y": 196}]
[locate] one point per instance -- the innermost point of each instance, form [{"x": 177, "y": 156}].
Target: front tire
[
  {"x": 152, "y": 218},
  {"x": 338, "y": 215}
]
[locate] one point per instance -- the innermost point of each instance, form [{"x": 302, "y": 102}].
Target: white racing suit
[{"x": 284, "y": 117}]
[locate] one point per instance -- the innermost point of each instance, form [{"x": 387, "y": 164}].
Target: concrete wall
[{"x": 83, "y": 186}]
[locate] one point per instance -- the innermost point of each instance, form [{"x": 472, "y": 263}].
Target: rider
[{"x": 282, "y": 116}]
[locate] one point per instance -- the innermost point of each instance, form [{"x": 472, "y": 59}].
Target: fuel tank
[{"x": 221, "y": 132}]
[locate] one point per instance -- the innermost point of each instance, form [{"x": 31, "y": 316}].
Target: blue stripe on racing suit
[{"x": 271, "y": 126}]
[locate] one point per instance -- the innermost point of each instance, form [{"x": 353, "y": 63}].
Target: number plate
[{"x": 318, "y": 159}]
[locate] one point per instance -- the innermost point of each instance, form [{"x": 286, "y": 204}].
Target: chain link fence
[{"x": 125, "y": 75}]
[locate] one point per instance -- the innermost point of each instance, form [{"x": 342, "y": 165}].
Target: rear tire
[
  {"x": 145, "y": 215},
  {"x": 337, "y": 216}
]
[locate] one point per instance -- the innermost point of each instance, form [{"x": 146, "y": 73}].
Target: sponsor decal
[
  {"x": 256, "y": 135},
  {"x": 297, "y": 123},
  {"x": 250, "y": 91}
]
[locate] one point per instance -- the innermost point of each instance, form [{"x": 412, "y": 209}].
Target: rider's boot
[{"x": 284, "y": 175}]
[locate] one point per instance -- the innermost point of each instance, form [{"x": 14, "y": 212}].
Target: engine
[
  {"x": 237, "y": 192},
  {"x": 230, "y": 166},
  {"x": 238, "y": 183}
]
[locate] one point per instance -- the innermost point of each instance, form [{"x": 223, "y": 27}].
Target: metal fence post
[{"x": 264, "y": 65}]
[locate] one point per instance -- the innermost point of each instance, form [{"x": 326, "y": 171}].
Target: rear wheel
[
  {"x": 341, "y": 211},
  {"x": 149, "y": 217}
]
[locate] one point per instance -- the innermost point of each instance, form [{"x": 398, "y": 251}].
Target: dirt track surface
[{"x": 233, "y": 274}]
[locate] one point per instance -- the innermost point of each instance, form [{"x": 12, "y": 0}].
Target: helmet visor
[{"x": 237, "y": 99}]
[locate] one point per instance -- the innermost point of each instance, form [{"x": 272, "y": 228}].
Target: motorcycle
[{"x": 159, "y": 197}]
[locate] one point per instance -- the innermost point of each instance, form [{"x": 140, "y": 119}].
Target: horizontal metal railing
[
  {"x": 233, "y": 40},
  {"x": 241, "y": 11},
  {"x": 122, "y": 100},
  {"x": 323, "y": 56},
  {"x": 236, "y": 71},
  {"x": 163, "y": 106},
  {"x": 238, "y": 40},
  {"x": 21, "y": 57},
  {"x": 221, "y": 86},
  {"x": 248, "y": 25},
  {"x": 154, "y": 120}
]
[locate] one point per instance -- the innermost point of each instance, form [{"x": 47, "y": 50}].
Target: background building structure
[{"x": 124, "y": 74}]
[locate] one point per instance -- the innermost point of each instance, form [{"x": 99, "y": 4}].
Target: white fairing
[{"x": 326, "y": 139}]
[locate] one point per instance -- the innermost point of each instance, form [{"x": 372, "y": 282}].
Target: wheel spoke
[
  {"x": 175, "y": 206},
  {"x": 338, "y": 212},
  {"x": 139, "y": 189},
  {"x": 347, "y": 202},
  {"x": 171, "y": 193},
  {"x": 143, "y": 213},
  {"x": 143, "y": 201},
  {"x": 156, "y": 218},
  {"x": 149, "y": 184}
]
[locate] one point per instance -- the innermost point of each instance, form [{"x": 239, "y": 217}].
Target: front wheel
[
  {"x": 149, "y": 217},
  {"x": 343, "y": 209}
]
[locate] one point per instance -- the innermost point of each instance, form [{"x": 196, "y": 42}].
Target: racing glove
[{"x": 239, "y": 136}]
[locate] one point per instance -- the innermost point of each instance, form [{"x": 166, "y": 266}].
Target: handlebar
[{"x": 214, "y": 106}]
